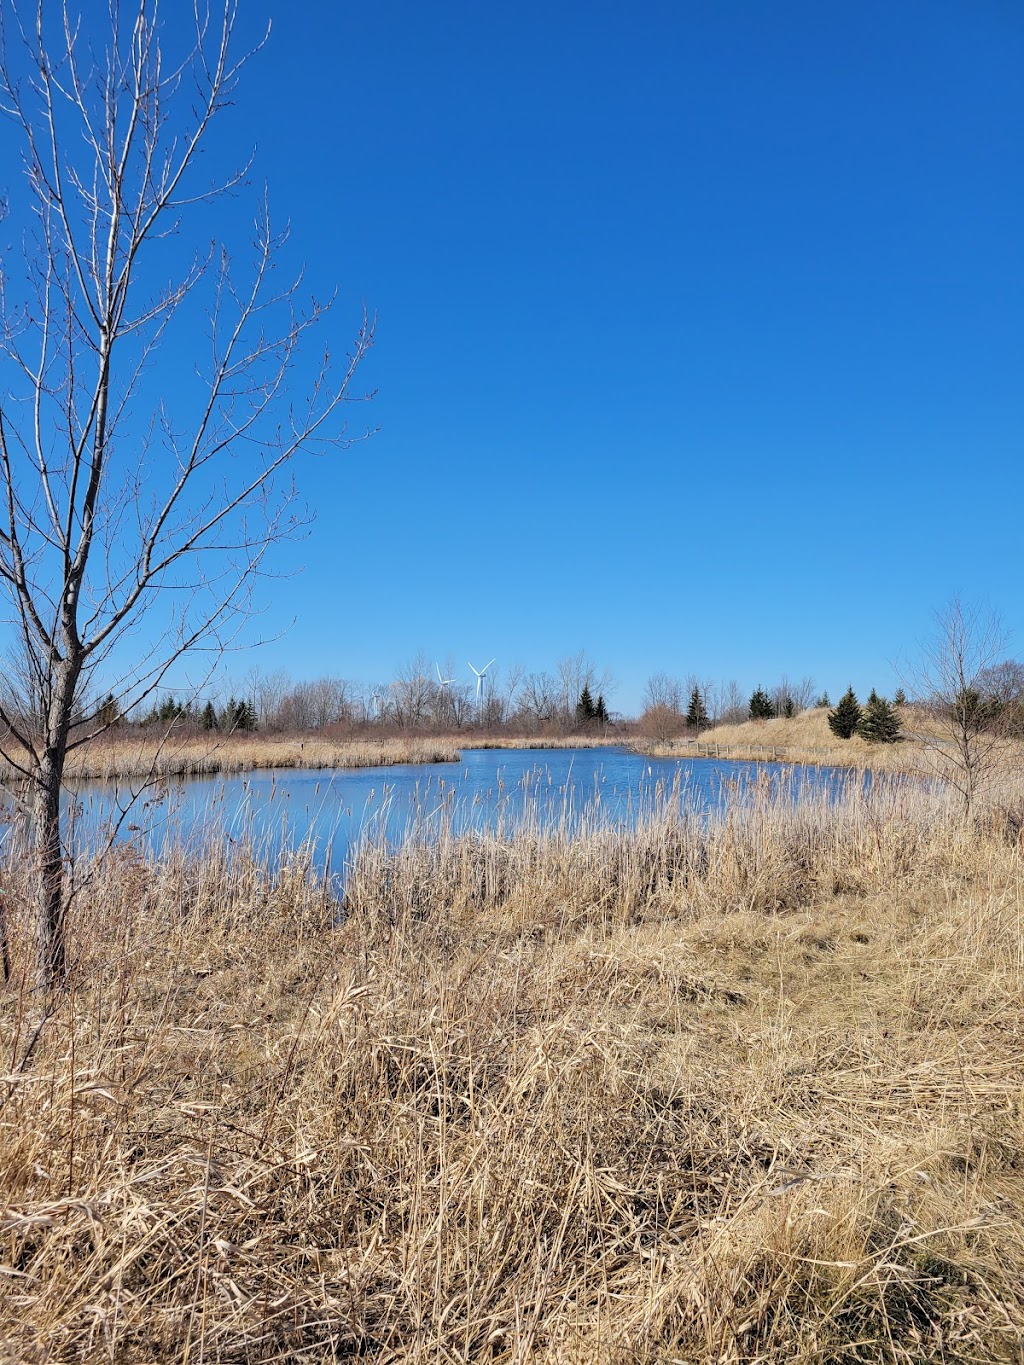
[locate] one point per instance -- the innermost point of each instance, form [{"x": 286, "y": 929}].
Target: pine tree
[
  {"x": 585, "y": 708},
  {"x": 761, "y": 707},
  {"x": 697, "y": 715},
  {"x": 169, "y": 711},
  {"x": 879, "y": 723},
  {"x": 109, "y": 713},
  {"x": 238, "y": 715},
  {"x": 900, "y": 699},
  {"x": 601, "y": 711},
  {"x": 823, "y": 700},
  {"x": 208, "y": 718},
  {"x": 843, "y": 720},
  {"x": 789, "y": 707}
]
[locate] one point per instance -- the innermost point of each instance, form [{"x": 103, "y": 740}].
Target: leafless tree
[
  {"x": 663, "y": 690},
  {"x": 513, "y": 677},
  {"x": 138, "y": 501},
  {"x": 733, "y": 706},
  {"x": 266, "y": 691},
  {"x": 413, "y": 693},
  {"x": 576, "y": 671},
  {"x": 966, "y": 646},
  {"x": 451, "y": 700},
  {"x": 537, "y": 701},
  {"x": 330, "y": 701}
]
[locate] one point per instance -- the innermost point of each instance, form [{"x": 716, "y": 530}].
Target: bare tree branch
[{"x": 138, "y": 501}]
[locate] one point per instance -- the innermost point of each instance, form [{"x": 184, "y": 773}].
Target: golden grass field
[
  {"x": 130, "y": 755},
  {"x": 749, "y": 1093},
  {"x": 806, "y": 738}
]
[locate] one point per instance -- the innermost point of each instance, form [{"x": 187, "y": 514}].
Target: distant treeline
[{"x": 571, "y": 697}]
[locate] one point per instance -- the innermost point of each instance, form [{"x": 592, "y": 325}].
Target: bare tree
[
  {"x": 138, "y": 503},
  {"x": 413, "y": 693},
  {"x": 330, "y": 701},
  {"x": 451, "y": 698},
  {"x": 575, "y": 672},
  {"x": 733, "y": 705},
  {"x": 664, "y": 692},
  {"x": 266, "y": 692},
  {"x": 537, "y": 703},
  {"x": 966, "y": 646}
]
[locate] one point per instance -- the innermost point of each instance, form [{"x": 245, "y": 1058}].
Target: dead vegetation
[
  {"x": 126, "y": 755},
  {"x": 925, "y": 748},
  {"x": 118, "y": 756},
  {"x": 739, "y": 1092}
]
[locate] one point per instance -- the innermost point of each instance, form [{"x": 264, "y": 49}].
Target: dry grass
[
  {"x": 741, "y": 1093},
  {"x": 202, "y": 756},
  {"x": 133, "y": 756},
  {"x": 584, "y": 740},
  {"x": 806, "y": 738}
]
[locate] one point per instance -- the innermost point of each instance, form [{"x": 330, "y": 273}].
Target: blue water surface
[{"x": 495, "y": 790}]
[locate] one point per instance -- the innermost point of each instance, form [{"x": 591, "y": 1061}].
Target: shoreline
[{"x": 192, "y": 757}]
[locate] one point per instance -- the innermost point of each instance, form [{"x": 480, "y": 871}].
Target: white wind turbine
[
  {"x": 444, "y": 682},
  {"x": 480, "y": 676}
]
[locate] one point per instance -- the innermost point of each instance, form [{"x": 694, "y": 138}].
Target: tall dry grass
[
  {"x": 925, "y": 749},
  {"x": 131, "y": 756},
  {"x": 120, "y": 755},
  {"x": 739, "y": 1091}
]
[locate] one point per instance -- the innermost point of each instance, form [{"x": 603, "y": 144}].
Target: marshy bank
[
  {"x": 925, "y": 749},
  {"x": 747, "y": 1092},
  {"x": 124, "y": 755},
  {"x": 499, "y": 792}
]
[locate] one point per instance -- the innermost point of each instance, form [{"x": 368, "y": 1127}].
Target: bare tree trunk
[
  {"x": 111, "y": 516},
  {"x": 50, "y": 882},
  {"x": 5, "y": 946},
  {"x": 51, "y": 951}
]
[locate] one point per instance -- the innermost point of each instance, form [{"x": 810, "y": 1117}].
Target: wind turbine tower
[{"x": 480, "y": 676}]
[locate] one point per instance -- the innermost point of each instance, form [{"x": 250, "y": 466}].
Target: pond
[{"x": 496, "y": 790}]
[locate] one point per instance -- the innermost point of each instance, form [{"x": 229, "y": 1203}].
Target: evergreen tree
[
  {"x": 843, "y": 720},
  {"x": 823, "y": 700},
  {"x": 109, "y": 713},
  {"x": 761, "y": 707},
  {"x": 697, "y": 715},
  {"x": 169, "y": 711},
  {"x": 879, "y": 723},
  {"x": 601, "y": 711},
  {"x": 238, "y": 715},
  {"x": 900, "y": 698},
  {"x": 586, "y": 711},
  {"x": 208, "y": 718},
  {"x": 789, "y": 707}
]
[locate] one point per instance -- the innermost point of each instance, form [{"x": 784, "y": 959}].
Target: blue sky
[{"x": 700, "y": 329}]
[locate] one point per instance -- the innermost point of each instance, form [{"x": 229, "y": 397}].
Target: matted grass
[
  {"x": 747, "y": 1092},
  {"x": 130, "y": 755},
  {"x": 925, "y": 748}
]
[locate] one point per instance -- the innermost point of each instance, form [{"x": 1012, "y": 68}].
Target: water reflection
[{"x": 496, "y": 790}]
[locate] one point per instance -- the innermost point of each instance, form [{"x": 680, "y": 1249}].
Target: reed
[
  {"x": 740, "y": 1089},
  {"x": 117, "y": 757},
  {"x": 123, "y": 756},
  {"x": 925, "y": 749}
]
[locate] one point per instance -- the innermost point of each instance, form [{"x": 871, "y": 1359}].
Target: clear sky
[{"x": 701, "y": 328}]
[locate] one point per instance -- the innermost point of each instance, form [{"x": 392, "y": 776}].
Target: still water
[{"x": 489, "y": 790}]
